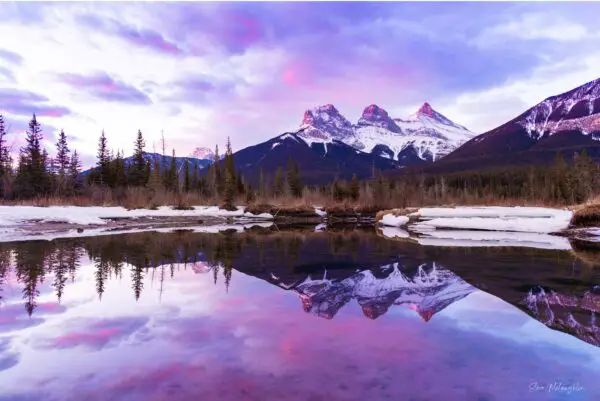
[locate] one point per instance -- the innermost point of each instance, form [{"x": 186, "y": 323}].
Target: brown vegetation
[{"x": 586, "y": 216}]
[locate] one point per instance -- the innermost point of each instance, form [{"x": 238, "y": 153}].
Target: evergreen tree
[
  {"x": 103, "y": 161},
  {"x": 154, "y": 181},
  {"x": 138, "y": 172},
  {"x": 62, "y": 154},
  {"x": 230, "y": 183},
  {"x": 186, "y": 176},
  {"x": 5, "y": 162},
  {"x": 261, "y": 183},
  {"x": 171, "y": 181},
  {"x": 62, "y": 163},
  {"x": 354, "y": 188},
  {"x": 293, "y": 178},
  {"x": 120, "y": 176},
  {"x": 75, "y": 183},
  {"x": 194, "y": 180},
  {"x": 217, "y": 183},
  {"x": 279, "y": 184},
  {"x": 32, "y": 177}
]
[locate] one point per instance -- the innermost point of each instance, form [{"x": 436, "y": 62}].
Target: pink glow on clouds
[
  {"x": 96, "y": 338},
  {"x": 155, "y": 42},
  {"x": 240, "y": 29},
  {"x": 289, "y": 77}
]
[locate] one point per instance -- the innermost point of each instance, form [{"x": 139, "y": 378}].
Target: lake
[{"x": 294, "y": 314}]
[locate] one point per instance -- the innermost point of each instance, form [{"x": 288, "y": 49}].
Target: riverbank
[{"x": 491, "y": 225}]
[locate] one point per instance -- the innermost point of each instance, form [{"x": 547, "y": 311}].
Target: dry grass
[{"x": 586, "y": 216}]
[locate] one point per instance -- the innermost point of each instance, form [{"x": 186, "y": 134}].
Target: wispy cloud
[
  {"x": 10, "y": 57},
  {"x": 142, "y": 37},
  {"x": 102, "y": 86},
  {"x": 23, "y": 103}
]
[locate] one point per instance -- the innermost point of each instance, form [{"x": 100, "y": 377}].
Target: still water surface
[{"x": 295, "y": 315}]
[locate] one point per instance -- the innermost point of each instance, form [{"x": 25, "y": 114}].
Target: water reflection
[
  {"x": 327, "y": 270},
  {"x": 219, "y": 316}
]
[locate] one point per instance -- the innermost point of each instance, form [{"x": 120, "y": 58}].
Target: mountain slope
[
  {"x": 569, "y": 123},
  {"x": 320, "y": 159}
]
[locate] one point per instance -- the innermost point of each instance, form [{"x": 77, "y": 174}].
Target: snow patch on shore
[
  {"x": 493, "y": 218},
  {"x": 393, "y": 221},
  {"x": 98, "y": 215}
]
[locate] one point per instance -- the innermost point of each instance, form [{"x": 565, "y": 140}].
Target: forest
[{"x": 137, "y": 182}]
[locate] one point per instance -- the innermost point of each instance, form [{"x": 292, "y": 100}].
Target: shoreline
[{"x": 469, "y": 224}]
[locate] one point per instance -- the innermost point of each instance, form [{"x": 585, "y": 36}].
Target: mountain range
[
  {"x": 328, "y": 146},
  {"x": 428, "y": 291}
]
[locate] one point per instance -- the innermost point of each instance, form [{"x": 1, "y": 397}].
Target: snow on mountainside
[
  {"x": 578, "y": 109},
  {"x": 424, "y": 136},
  {"x": 427, "y": 292},
  {"x": 572, "y": 313},
  {"x": 566, "y": 123}
]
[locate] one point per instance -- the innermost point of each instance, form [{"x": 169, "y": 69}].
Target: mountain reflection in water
[{"x": 333, "y": 273}]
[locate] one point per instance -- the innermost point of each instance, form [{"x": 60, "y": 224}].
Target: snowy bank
[
  {"x": 98, "y": 215},
  {"x": 393, "y": 221},
  {"x": 493, "y": 218}
]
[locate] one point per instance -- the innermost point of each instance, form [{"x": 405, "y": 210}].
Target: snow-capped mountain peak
[
  {"x": 203, "y": 153},
  {"x": 325, "y": 119},
  {"x": 426, "y": 135},
  {"x": 376, "y": 116},
  {"x": 429, "y": 116},
  {"x": 426, "y": 110}
]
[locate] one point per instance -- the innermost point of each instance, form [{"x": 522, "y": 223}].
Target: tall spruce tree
[
  {"x": 103, "y": 161},
  {"x": 138, "y": 173},
  {"x": 171, "y": 181},
  {"x": 5, "y": 162},
  {"x": 186, "y": 176},
  {"x": 32, "y": 178},
  {"x": 154, "y": 181},
  {"x": 74, "y": 175},
  {"x": 230, "y": 182},
  {"x": 293, "y": 178},
  {"x": 354, "y": 188},
  {"x": 279, "y": 183},
  {"x": 120, "y": 176},
  {"x": 62, "y": 163}
]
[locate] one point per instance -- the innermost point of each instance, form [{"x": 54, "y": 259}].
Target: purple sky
[{"x": 205, "y": 71}]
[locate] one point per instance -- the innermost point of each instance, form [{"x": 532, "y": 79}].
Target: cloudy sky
[{"x": 205, "y": 71}]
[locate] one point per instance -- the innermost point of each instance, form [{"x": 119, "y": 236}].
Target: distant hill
[{"x": 165, "y": 162}]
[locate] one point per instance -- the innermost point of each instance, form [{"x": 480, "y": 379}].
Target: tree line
[{"x": 158, "y": 180}]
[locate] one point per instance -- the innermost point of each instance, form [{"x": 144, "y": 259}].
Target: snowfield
[
  {"x": 483, "y": 226},
  {"x": 93, "y": 215}
]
